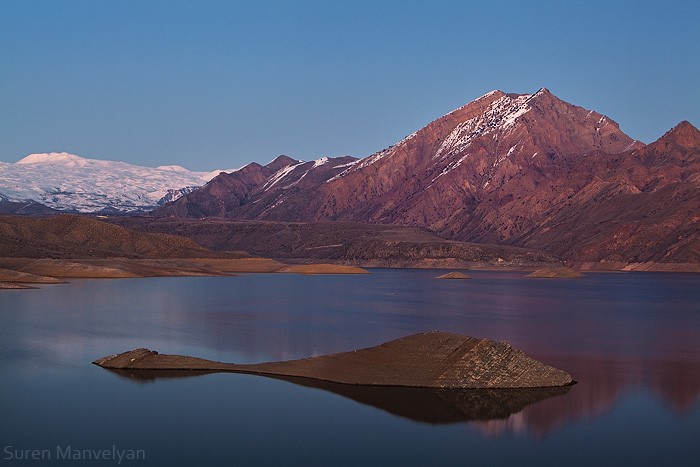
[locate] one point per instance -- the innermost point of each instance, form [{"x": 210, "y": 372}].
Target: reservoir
[{"x": 631, "y": 340}]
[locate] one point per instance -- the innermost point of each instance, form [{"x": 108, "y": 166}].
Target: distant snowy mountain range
[{"x": 68, "y": 182}]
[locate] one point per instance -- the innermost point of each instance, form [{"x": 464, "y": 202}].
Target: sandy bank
[
  {"x": 322, "y": 269},
  {"x": 11, "y": 275},
  {"x": 555, "y": 273},
  {"x": 643, "y": 267},
  {"x": 15, "y": 285},
  {"x": 454, "y": 275},
  {"x": 51, "y": 271}
]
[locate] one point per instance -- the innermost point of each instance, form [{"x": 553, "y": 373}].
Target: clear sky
[{"x": 218, "y": 84}]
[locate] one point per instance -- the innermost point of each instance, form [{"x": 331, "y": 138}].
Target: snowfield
[{"x": 68, "y": 182}]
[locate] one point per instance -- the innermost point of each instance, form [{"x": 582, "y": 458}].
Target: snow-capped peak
[
  {"x": 52, "y": 158},
  {"x": 501, "y": 115}
]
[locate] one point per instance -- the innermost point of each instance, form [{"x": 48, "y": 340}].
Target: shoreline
[{"x": 16, "y": 272}]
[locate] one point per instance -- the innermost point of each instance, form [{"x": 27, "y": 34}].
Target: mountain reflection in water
[{"x": 602, "y": 383}]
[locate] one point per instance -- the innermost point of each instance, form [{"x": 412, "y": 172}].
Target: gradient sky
[{"x": 217, "y": 84}]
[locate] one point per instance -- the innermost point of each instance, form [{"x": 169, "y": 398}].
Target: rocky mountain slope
[
  {"x": 257, "y": 188},
  {"x": 526, "y": 170},
  {"x": 641, "y": 206}
]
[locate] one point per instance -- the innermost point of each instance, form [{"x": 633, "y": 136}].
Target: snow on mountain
[{"x": 68, "y": 182}]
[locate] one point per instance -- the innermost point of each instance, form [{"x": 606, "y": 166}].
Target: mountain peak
[
  {"x": 495, "y": 93},
  {"x": 281, "y": 162},
  {"x": 51, "y": 158},
  {"x": 684, "y": 134}
]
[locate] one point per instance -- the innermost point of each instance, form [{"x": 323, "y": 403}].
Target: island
[{"x": 426, "y": 360}]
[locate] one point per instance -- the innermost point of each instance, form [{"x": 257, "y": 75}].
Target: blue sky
[{"x": 218, "y": 84}]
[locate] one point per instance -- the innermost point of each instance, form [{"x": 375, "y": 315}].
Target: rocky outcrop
[
  {"x": 637, "y": 207},
  {"x": 429, "y": 360}
]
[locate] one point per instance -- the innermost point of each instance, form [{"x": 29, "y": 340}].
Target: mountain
[
  {"x": 640, "y": 206},
  {"x": 258, "y": 189},
  {"x": 527, "y": 170},
  {"x": 434, "y": 175},
  {"x": 67, "y": 182}
]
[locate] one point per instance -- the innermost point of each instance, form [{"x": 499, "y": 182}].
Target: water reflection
[
  {"x": 602, "y": 382},
  {"x": 427, "y": 405}
]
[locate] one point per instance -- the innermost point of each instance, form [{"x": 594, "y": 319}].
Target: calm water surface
[{"x": 631, "y": 340}]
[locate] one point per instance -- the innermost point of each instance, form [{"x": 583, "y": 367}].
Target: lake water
[{"x": 631, "y": 340}]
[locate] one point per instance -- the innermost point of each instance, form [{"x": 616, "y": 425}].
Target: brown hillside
[
  {"x": 353, "y": 243},
  {"x": 70, "y": 236}
]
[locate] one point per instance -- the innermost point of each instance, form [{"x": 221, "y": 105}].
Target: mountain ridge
[{"x": 526, "y": 170}]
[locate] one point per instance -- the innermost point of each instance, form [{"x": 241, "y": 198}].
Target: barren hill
[
  {"x": 77, "y": 246},
  {"x": 72, "y": 236},
  {"x": 362, "y": 244}
]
